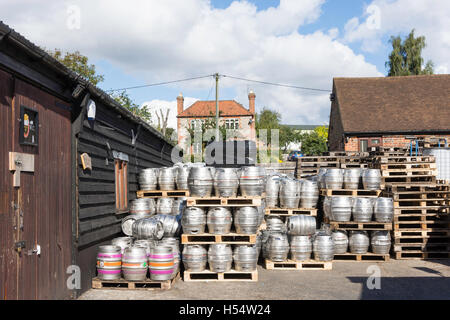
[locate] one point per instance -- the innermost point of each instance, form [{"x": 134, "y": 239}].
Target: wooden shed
[{"x": 55, "y": 208}]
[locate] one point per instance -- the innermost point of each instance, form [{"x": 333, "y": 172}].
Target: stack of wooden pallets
[
  {"x": 231, "y": 238},
  {"x": 421, "y": 221},
  {"x": 406, "y": 170},
  {"x": 310, "y": 166}
]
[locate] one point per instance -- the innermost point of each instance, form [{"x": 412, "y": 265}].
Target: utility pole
[{"x": 217, "y": 106}]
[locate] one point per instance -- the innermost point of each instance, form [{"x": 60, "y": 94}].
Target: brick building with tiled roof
[
  {"x": 232, "y": 115},
  {"x": 388, "y": 111}
]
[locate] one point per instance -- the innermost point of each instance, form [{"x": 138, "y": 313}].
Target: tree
[
  {"x": 124, "y": 100},
  {"x": 268, "y": 120},
  {"x": 162, "y": 121},
  {"x": 78, "y": 63},
  {"x": 406, "y": 57},
  {"x": 313, "y": 143}
]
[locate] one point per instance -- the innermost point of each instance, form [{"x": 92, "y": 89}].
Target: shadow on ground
[{"x": 406, "y": 288}]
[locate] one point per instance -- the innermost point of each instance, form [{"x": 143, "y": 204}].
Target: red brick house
[
  {"x": 389, "y": 111},
  {"x": 232, "y": 114}
]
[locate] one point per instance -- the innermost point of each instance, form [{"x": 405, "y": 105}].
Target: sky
[{"x": 295, "y": 42}]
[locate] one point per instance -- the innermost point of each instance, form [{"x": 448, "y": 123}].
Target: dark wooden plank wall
[
  {"x": 8, "y": 257},
  {"x": 98, "y": 222},
  {"x": 46, "y": 197}
]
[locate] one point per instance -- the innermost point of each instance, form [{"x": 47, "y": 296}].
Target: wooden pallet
[
  {"x": 435, "y": 225},
  {"x": 422, "y": 240},
  {"x": 207, "y": 238},
  {"x": 401, "y": 158},
  {"x": 291, "y": 211},
  {"x": 413, "y": 233},
  {"x": 123, "y": 284},
  {"x": 409, "y": 180},
  {"x": 162, "y": 193},
  {"x": 424, "y": 247},
  {"x": 350, "y": 192},
  {"x": 407, "y": 166},
  {"x": 422, "y": 203},
  {"x": 419, "y": 255},
  {"x": 405, "y": 196},
  {"x": 394, "y": 173},
  {"x": 419, "y": 217},
  {"x": 422, "y": 210},
  {"x": 298, "y": 265},
  {"x": 418, "y": 188},
  {"x": 232, "y": 275},
  {"x": 368, "y": 257},
  {"x": 224, "y": 202},
  {"x": 318, "y": 159},
  {"x": 353, "y": 225},
  {"x": 354, "y": 165}
]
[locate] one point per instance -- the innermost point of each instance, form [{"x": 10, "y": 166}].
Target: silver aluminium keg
[
  {"x": 178, "y": 206},
  {"x": 381, "y": 242},
  {"x": 371, "y": 179},
  {"x": 334, "y": 178},
  {"x": 109, "y": 262},
  {"x": 164, "y": 205},
  {"x": 289, "y": 193},
  {"x": 340, "y": 241},
  {"x": 301, "y": 248},
  {"x": 359, "y": 242},
  {"x": 200, "y": 182},
  {"x": 277, "y": 247},
  {"x": 321, "y": 178},
  {"x": 141, "y": 207},
  {"x": 275, "y": 224},
  {"x": 148, "y": 228},
  {"x": 122, "y": 242},
  {"x": 226, "y": 182},
  {"x": 135, "y": 263},
  {"x": 171, "y": 224},
  {"x": 323, "y": 247},
  {"x": 219, "y": 220},
  {"x": 362, "y": 210},
  {"x": 174, "y": 243},
  {"x": 220, "y": 257},
  {"x": 245, "y": 257},
  {"x": 261, "y": 211},
  {"x": 161, "y": 263},
  {"x": 194, "y": 257},
  {"x": 309, "y": 194},
  {"x": 148, "y": 179},
  {"x": 193, "y": 220},
  {"x": 326, "y": 206},
  {"x": 272, "y": 191},
  {"x": 352, "y": 177},
  {"x": 341, "y": 208},
  {"x": 166, "y": 178},
  {"x": 384, "y": 209},
  {"x": 301, "y": 225},
  {"x": 127, "y": 224},
  {"x": 147, "y": 244},
  {"x": 252, "y": 181},
  {"x": 246, "y": 220},
  {"x": 182, "y": 177}
]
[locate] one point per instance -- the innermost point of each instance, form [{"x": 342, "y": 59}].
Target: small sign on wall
[{"x": 29, "y": 126}]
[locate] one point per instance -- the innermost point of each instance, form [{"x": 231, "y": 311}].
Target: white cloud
[
  {"x": 160, "y": 40},
  {"x": 429, "y": 18},
  {"x": 156, "y": 105}
]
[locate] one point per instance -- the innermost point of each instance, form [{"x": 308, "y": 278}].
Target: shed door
[{"x": 43, "y": 214}]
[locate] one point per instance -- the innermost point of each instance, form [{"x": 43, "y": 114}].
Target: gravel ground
[{"x": 400, "y": 279}]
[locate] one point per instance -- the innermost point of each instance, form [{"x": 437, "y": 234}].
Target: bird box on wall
[{"x": 29, "y": 126}]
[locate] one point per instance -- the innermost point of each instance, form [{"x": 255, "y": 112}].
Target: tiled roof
[
  {"x": 207, "y": 108},
  {"x": 394, "y": 104}
]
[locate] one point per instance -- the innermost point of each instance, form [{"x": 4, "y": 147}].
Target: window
[
  {"x": 197, "y": 148},
  {"x": 121, "y": 173},
  {"x": 367, "y": 144},
  {"x": 197, "y": 124},
  {"x": 232, "y": 124}
]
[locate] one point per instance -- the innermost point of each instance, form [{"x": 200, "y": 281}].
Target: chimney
[
  {"x": 180, "y": 103},
  {"x": 251, "y": 101}
]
